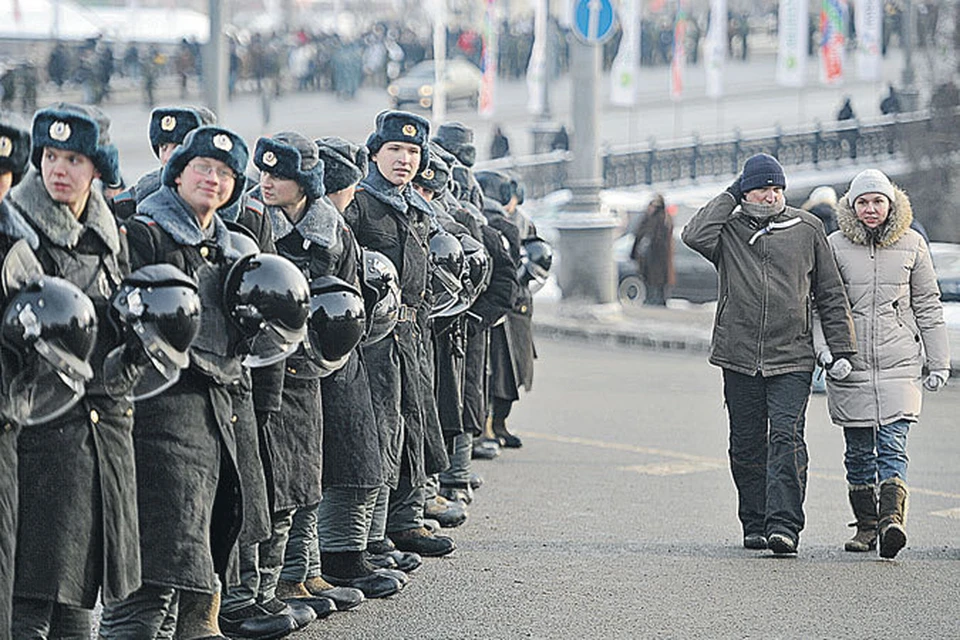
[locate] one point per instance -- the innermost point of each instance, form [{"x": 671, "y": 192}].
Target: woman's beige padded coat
[{"x": 897, "y": 314}]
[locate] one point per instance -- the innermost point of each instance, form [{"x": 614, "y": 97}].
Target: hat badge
[
  {"x": 409, "y": 130},
  {"x": 270, "y": 159},
  {"x": 6, "y": 147},
  {"x": 60, "y": 131},
  {"x": 168, "y": 123},
  {"x": 427, "y": 174},
  {"x": 222, "y": 141}
]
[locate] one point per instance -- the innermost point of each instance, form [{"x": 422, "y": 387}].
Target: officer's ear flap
[{"x": 20, "y": 267}]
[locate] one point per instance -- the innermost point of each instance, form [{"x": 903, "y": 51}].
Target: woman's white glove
[
  {"x": 935, "y": 380},
  {"x": 837, "y": 369}
]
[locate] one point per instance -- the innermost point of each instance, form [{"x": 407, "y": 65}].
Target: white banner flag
[
  {"x": 792, "y": 51},
  {"x": 537, "y": 67},
  {"x": 869, "y": 19},
  {"x": 624, "y": 75},
  {"x": 715, "y": 47}
]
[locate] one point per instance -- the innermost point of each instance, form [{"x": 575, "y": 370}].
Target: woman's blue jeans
[{"x": 876, "y": 454}]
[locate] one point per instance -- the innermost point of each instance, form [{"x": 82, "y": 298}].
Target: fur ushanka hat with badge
[
  {"x": 344, "y": 163},
  {"x": 401, "y": 126},
  {"x": 14, "y": 149},
  {"x": 72, "y": 127},
  {"x": 291, "y": 156},
  {"x": 210, "y": 142}
]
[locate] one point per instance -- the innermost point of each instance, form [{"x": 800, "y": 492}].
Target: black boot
[
  {"x": 863, "y": 500},
  {"x": 403, "y": 560},
  {"x": 256, "y": 623},
  {"x": 348, "y": 569},
  {"x": 423, "y": 542},
  {"x": 893, "y": 517}
]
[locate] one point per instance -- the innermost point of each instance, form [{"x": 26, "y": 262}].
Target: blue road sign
[{"x": 593, "y": 20}]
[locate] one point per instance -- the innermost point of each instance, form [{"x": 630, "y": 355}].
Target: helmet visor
[
  {"x": 41, "y": 392},
  {"x": 271, "y": 344}
]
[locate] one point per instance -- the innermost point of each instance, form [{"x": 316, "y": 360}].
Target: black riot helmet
[
  {"x": 478, "y": 269},
  {"x": 380, "y": 285},
  {"x": 242, "y": 240},
  {"x": 446, "y": 260},
  {"x": 160, "y": 306},
  {"x": 536, "y": 258},
  {"x": 338, "y": 322},
  {"x": 48, "y": 332},
  {"x": 268, "y": 300}
]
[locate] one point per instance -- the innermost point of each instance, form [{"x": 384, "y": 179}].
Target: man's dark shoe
[
  {"x": 294, "y": 593},
  {"x": 448, "y": 513},
  {"x": 405, "y": 561},
  {"x": 461, "y": 493},
  {"x": 485, "y": 449},
  {"x": 421, "y": 541},
  {"x": 781, "y": 544},
  {"x": 257, "y": 623},
  {"x": 350, "y": 569},
  {"x": 754, "y": 541},
  {"x": 381, "y": 560},
  {"x": 302, "y": 614},
  {"x": 476, "y": 481},
  {"x": 345, "y": 598},
  {"x": 510, "y": 441}
]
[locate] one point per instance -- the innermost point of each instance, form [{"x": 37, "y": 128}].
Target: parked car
[
  {"x": 461, "y": 83},
  {"x": 696, "y": 277},
  {"x": 946, "y": 260}
]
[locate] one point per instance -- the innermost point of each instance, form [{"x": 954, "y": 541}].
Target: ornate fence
[{"x": 821, "y": 145}]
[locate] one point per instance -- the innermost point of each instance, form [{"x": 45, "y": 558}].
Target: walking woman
[{"x": 890, "y": 281}]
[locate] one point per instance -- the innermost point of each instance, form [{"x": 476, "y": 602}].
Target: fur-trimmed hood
[
  {"x": 55, "y": 220},
  {"x": 898, "y": 221}
]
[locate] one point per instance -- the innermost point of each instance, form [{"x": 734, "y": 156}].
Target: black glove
[
  {"x": 134, "y": 352},
  {"x": 734, "y": 190}
]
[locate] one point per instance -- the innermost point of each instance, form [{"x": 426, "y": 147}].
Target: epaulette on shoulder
[
  {"x": 147, "y": 220},
  {"x": 252, "y": 204}
]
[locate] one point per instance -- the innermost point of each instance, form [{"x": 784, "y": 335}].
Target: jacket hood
[{"x": 898, "y": 221}]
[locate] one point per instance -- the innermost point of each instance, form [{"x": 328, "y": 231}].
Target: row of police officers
[{"x": 233, "y": 406}]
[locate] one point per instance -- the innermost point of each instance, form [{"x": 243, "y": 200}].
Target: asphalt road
[{"x": 617, "y": 520}]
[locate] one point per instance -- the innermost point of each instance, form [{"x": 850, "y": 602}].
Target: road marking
[
  {"x": 947, "y": 513},
  {"x": 690, "y": 463}
]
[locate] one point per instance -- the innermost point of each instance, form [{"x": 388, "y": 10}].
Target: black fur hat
[
  {"x": 14, "y": 149},
  {"x": 344, "y": 163},
  {"x": 171, "y": 125},
  {"x": 435, "y": 176},
  {"x": 498, "y": 186},
  {"x": 457, "y": 138},
  {"x": 401, "y": 126},
  {"x": 210, "y": 142},
  {"x": 74, "y": 128},
  {"x": 290, "y": 156}
]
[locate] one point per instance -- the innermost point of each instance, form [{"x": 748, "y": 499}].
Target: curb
[{"x": 631, "y": 338}]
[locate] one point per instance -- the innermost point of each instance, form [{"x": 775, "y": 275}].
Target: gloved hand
[
  {"x": 837, "y": 369},
  {"x": 734, "y": 190},
  {"x": 134, "y": 352},
  {"x": 935, "y": 380}
]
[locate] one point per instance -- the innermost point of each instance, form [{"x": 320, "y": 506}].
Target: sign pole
[{"x": 587, "y": 273}]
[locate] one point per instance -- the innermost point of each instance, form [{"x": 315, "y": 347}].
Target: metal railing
[{"x": 818, "y": 146}]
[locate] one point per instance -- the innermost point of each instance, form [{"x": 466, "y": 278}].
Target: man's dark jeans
[{"x": 768, "y": 454}]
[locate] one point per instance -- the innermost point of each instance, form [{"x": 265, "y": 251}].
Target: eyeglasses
[{"x": 204, "y": 169}]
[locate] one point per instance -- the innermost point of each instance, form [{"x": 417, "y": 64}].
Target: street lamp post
[{"x": 909, "y": 94}]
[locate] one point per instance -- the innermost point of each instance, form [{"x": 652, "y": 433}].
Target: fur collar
[
  {"x": 901, "y": 215},
  {"x": 147, "y": 185},
  {"x": 173, "y": 215},
  {"x": 55, "y": 220},
  {"x": 319, "y": 223},
  {"x": 13, "y": 225},
  {"x": 392, "y": 195}
]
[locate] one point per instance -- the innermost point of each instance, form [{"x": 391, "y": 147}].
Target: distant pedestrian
[
  {"x": 500, "y": 145},
  {"x": 774, "y": 265},
  {"x": 846, "y": 111},
  {"x": 901, "y": 333},
  {"x": 653, "y": 251},
  {"x": 561, "y": 140},
  {"x": 891, "y": 103}
]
